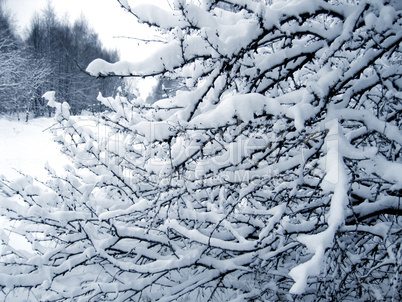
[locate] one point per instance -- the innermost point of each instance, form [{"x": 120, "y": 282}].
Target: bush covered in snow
[{"x": 275, "y": 176}]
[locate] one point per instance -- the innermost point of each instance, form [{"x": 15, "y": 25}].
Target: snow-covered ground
[{"x": 26, "y": 147}]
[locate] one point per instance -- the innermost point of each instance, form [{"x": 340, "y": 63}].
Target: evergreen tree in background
[{"x": 274, "y": 177}]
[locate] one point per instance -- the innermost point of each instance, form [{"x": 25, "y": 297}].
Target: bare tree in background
[
  {"x": 21, "y": 74},
  {"x": 52, "y": 56},
  {"x": 68, "y": 48}
]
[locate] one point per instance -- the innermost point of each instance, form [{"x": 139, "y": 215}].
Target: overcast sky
[{"x": 105, "y": 16}]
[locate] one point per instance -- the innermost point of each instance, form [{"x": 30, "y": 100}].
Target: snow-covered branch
[{"x": 273, "y": 176}]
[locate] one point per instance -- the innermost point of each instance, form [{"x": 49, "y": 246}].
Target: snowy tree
[
  {"x": 276, "y": 176},
  {"x": 21, "y": 74},
  {"x": 10, "y": 61},
  {"x": 68, "y": 49},
  {"x": 165, "y": 87}
]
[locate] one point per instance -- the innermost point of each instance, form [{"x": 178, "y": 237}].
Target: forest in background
[{"x": 50, "y": 56}]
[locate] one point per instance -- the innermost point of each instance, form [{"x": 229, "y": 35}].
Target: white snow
[
  {"x": 336, "y": 180},
  {"x": 189, "y": 166},
  {"x": 125, "y": 4},
  {"x": 27, "y": 147},
  {"x": 155, "y": 15},
  {"x": 386, "y": 19},
  {"x": 50, "y": 96}
]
